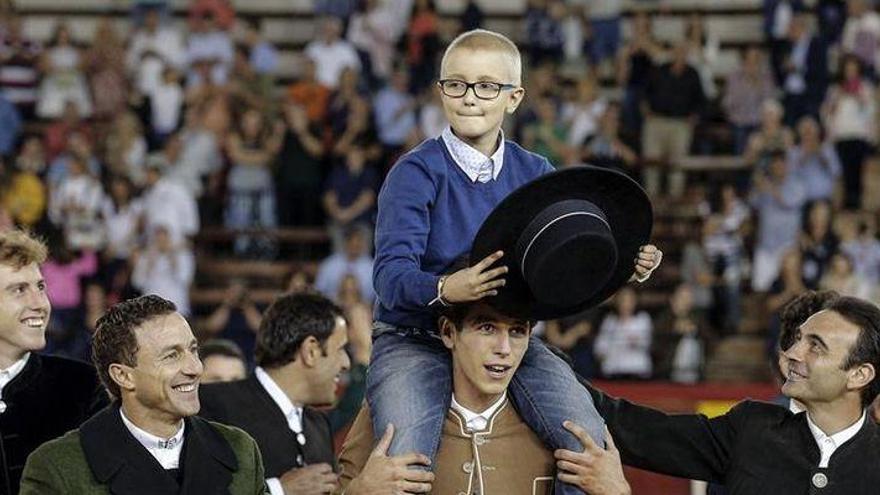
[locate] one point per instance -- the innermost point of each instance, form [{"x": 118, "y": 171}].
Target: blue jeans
[
  {"x": 248, "y": 209},
  {"x": 410, "y": 386}
]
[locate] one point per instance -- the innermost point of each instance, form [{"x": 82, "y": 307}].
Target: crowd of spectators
[{"x": 120, "y": 145}]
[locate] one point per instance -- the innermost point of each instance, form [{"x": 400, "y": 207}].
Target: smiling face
[
  {"x": 814, "y": 371},
  {"x": 24, "y": 312},
  {"x": 163, "y": 386},
  {"x": 328, "y": 364},
  {"x": 486, "y": 352},
  {"x": 474, "y": 120}
]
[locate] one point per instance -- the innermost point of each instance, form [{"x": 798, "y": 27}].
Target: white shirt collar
[
  {"x": 13, "y": 371},
  {"x": 165, "y": 451},
  {"x": 468, "y": 158},
  {"x": 292, "y": 412},
  {"x": 478, "y": 421},
  {"x": 828, "y": 444}
]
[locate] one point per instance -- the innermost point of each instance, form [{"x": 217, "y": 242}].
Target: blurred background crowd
[{"x": 218, "y": 153}]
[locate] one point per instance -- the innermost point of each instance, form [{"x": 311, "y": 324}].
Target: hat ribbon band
[{"x": 551, "y": 222}]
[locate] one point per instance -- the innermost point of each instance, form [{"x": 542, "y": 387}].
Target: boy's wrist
[{"x": 440, "y": 299}]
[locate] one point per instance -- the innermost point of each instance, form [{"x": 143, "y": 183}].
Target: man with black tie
[
  {"x": 41, "y": 397},
  {"x": 757, "y": 448},
  {"x": 300, "y": 354},
  {"x": 149, "y": 440}
]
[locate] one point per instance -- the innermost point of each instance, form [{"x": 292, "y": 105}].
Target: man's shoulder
[
  {"x": 226, "y": 392},
  {"x": 62, "y": 453},
  {"x": 238, "y": 439},
  {"x": 69, "y": 372},
  {"x": 759, "y": 414}
]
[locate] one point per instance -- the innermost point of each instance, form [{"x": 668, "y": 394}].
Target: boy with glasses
[{"x": 431, "y": 205}]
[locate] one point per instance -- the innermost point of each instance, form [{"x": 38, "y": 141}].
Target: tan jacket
[{"x": 507, "y": 458}]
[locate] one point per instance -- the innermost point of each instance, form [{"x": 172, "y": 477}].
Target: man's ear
[
  {"x": 309, "y": 351},
  {"x": 122, "y": 375},
  {"x": 447, "y": 332},
  {"x": 515, "y": 98},
  {"x": 861, "y": 376}
]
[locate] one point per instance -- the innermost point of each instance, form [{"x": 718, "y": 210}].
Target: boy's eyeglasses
[{"x": 484, "y": 90}]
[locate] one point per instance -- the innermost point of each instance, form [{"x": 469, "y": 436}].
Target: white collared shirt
[
  {"x": 165, "y": 451},
  {"x": 828, "y": 444},
  {"x": 292, "y": 412},
  {"x": 11, "y": 372},
  {"x": 478, "y": 421},
  {"x": 469, "y": 159}
]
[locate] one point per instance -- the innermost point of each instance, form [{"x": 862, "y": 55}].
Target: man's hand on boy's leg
[
  {"x": 595, "y": 470},
  {"x": 647, "y": 261},
  {"x": 383, "y": 474},
  {"x": 476, "y": 282}
]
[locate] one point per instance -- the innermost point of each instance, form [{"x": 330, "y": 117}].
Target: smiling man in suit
[
  {"x": 149, "y": 440},
  {"x": 831, "y": 365},
  {"x": 300, "y": 354},
  {"x": 41, "y": 397}
]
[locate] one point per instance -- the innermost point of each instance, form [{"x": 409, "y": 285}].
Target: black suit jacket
[
  {"x": 247, "y": 405},
  {"x": 756, "y": 448},
  {"x": 50, "y": 397}
]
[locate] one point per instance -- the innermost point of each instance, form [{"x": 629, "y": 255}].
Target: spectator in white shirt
[
  {"x": 121, "y": 213},
  {"x": 151, "y": 48},
  {"x": 168, "y": 203},
  {"x": 331, "y": 53},
  {"x": 75, "y": 206},
  {"x": 166, "y": 103},
  {"x": 210, "y": 45},
  {"x": 623, "y": 345},
  {"x": 165, "y": 268},
  {"x": 861, "y": 33}
]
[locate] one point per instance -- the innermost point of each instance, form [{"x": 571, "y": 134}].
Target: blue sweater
[{"x": 429, "y": 214}]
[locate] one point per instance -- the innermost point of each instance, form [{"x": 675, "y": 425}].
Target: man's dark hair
[
  {"x": 288, "y": 322},
  {"x": 796, "y": 312},
  {"x": 115, "y": 340},
  {"x": 220, "y": 347},
  {"x": 866, "y": 316}
]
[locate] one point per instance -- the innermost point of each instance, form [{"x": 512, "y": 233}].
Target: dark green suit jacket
[{"x": 103, "y": 458}]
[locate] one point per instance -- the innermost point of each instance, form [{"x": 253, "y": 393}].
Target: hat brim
[{"x": 627, "y": 209}]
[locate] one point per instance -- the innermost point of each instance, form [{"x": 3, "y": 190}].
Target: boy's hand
[
  {"x": 647, "y": 261},
  {"x": 476, "y": 282}
]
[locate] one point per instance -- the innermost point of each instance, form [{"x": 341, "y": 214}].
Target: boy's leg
[
  {"x": 409, "y": 384},
  {"x": 546, "y": 393}
]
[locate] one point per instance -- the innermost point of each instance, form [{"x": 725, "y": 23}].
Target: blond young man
[
  {"x": 41, "y": 397},
  {"x": 431, "y": 205}
]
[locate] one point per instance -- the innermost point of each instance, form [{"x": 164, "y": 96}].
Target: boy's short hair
[
  {"x": 19, "y": 249},
  {"x": 483, "y": 39}
]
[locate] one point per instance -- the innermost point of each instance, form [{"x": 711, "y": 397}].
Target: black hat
[{"x": 570, "y": 239}]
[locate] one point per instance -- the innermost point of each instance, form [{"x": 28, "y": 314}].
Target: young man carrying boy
[
  {"x": 430, "y": 208},
  {"x": 492, "y": 452}
]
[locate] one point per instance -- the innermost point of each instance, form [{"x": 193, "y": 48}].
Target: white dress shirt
[
  {"x": 469, "y": 159},
  {"x": 477, "y": 421},
  {"x": 165, "y": 450},
  {"x": 292, "y": 412},
  {"x": 9, "y": 374},
  {"x": 828, "y": 444}
]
